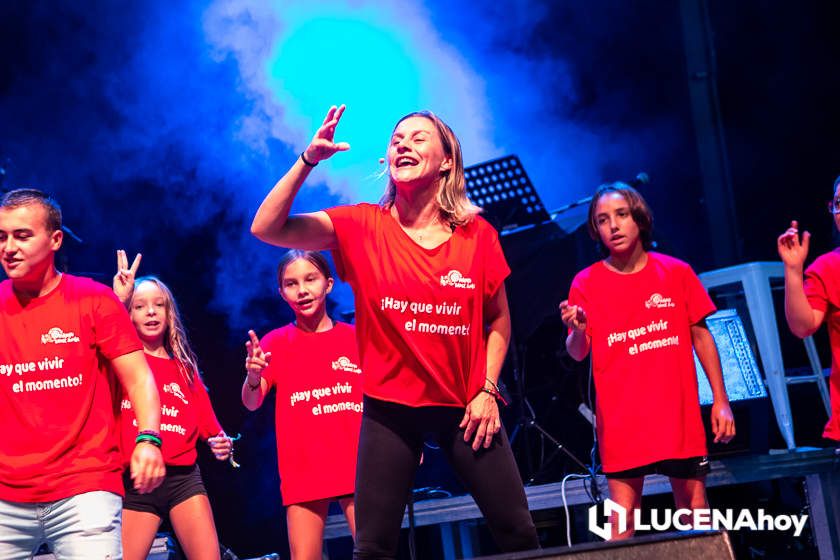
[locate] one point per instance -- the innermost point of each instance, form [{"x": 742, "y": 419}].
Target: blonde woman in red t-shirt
[
  {"x": 433, "y": 326},
  {"x": 187, "y": 416},
  {"x": 316, "y": 376},
  {"x": 640, "y": 313}
]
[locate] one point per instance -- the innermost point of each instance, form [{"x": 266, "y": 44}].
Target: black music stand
[{"x": 503, "y": 188}]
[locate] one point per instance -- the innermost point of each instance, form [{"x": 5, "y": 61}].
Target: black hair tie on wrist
[{"x": 305, "y": 161}]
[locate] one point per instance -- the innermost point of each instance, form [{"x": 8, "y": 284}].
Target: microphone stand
[{"x": 527, "y": 420}]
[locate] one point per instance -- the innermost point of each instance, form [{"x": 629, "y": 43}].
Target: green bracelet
[{"x": 149, "y": 438}]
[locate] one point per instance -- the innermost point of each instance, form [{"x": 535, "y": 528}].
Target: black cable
[{"x": 593, "y": 492}]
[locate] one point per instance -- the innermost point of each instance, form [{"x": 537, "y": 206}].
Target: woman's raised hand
[
  {"x": 124, "y": 278},
  {"x": 323, "y": 145}
]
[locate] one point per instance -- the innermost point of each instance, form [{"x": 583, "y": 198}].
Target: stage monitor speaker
[{"x": 696, "y": 545}]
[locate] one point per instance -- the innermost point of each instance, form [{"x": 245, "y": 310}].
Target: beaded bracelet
[
  {"x": 233, "y": 463},
  {"x": 496, "y": 395},
  {"x": 496, "y": 392}
]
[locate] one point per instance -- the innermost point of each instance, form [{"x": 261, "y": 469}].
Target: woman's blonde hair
[
  {"x": 455, "y": 206},
  {"x": 175, "y": 339}
]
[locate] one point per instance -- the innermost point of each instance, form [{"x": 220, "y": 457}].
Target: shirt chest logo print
[
  {"x": 57, "y": 336},
  {"x": 658, "y": 301},
  {"x": 457, "y": 280},
  {"x": 175, "y": 389},
  {"x": 344, "y": 364}
]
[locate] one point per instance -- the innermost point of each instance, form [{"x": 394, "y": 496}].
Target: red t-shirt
[
  {"x": 319, "y": 410},
  {"x": 60, "y": 433},
  {"x": 822, "y": 287},
  {"x": 185, "y": 415},
  {"x": 647, "y": 407},
  {"x": 420, "y": 312}
]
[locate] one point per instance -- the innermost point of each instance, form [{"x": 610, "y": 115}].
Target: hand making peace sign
[{"x": 124, "y": 278}]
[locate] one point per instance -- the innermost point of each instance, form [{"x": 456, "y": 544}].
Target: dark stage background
[{"x": 160, "y": 126}]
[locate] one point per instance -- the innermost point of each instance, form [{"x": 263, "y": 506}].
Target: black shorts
[
  {"x": 180, "y": 484},
  {"x": 692, "y": 467}
]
